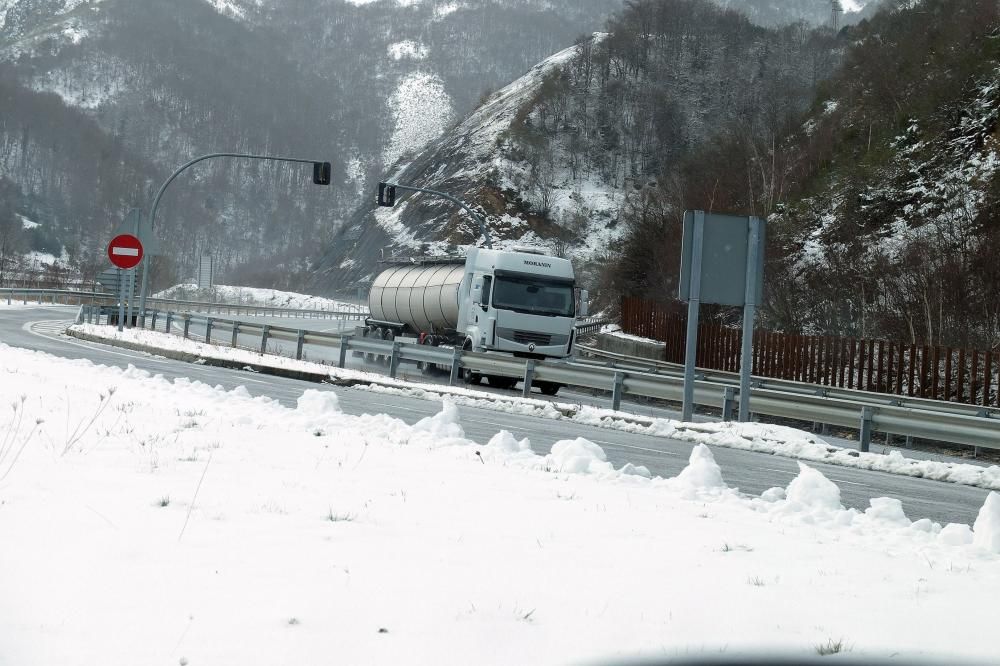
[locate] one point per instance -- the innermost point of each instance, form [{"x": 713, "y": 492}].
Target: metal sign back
[{"x": 724, "y": 259}]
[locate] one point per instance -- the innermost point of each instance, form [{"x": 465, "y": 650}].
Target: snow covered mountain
[
  {"x": 358, "y": 84},
  {"x": 554, "y": 158},
  {"x": 362, "y": 84}
]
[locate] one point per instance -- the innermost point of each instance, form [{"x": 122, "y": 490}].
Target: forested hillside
[
  {"x": 883, "y": 202},
  {"x": 556, "y": 156},
  {"x": 102, "y": 99}
]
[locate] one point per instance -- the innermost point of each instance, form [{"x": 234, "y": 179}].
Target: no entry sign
[{"x": 125, "y": 251}]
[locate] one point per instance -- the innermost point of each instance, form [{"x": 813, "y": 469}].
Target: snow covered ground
[
  {"x": 271, "y": 298},
  {"x": 761, "y": 437},
  {"x": 148, "y": 521}
]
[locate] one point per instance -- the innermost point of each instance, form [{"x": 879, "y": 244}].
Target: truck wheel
[
  {"x": 502, "y": 382},
  {"x": 548, "y": 388},
  {"x": 373, "y": 333},
  {"x": 388, "y": 335},
  {"x": 425, "y": 367},
  {"x": 364, "y": 333},
  {"x": 468, "y": 376}
]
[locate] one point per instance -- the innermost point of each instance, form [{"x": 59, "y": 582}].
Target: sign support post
[
  {"x": 749, "y": 312},
  {"x": 137, "y": 216},
  {"x": 694, "y": 301},
  {"x": 122, "y": 282}
]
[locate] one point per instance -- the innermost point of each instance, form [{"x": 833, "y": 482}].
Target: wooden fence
[{"x": 937, "y": 373}]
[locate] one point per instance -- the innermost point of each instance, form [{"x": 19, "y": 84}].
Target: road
[{"x": 38, "y": 328}]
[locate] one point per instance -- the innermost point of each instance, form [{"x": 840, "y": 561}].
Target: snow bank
[
  {"x": 219, "y": 527},
  {"x": 986, "y": 529},
  {"x": 443, "y": 428},
  {"x": 271, "y": 298},
  {"x": 761, "y": 437},
  {"x": 577, "y": 456},
  {"x": 505, "y": 442},
  {"x": 811, "y": 490},
  {"x": 702, "y": 472}
]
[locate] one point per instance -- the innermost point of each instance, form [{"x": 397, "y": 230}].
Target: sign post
[
  {"x": 694, "y": 302},
  {"x": 125, "y": 252},
  {"x": 749, "y": 311},
  {"x": 722, "y": 262}
]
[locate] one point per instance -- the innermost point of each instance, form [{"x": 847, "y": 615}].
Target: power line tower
[{"x": 837, "y": 9}]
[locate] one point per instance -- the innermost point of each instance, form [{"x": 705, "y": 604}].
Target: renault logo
[{"x": 531, "y": 347}]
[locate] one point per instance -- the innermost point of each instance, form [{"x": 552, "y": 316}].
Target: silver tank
[{"x": 425, "y": 297}]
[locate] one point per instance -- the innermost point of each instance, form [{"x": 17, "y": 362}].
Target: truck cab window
[{"x": 534, "y": 296}]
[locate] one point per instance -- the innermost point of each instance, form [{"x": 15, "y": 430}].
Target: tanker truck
[{"x": 515, "y": 302}]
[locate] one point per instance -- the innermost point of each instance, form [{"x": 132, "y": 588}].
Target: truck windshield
[{"x": 534, "y": 296}]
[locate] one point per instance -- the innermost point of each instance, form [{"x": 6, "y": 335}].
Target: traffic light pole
[
  {"x": 321, "y": 172},
  {"x": 482, "y": 225}
]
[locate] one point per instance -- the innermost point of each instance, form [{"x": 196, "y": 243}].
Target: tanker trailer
[{"x": 516, "y": 302}]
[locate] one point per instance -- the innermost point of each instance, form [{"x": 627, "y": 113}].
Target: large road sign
[
  {"x": 125, "y": 251},
  {"x": 722, "y": 261}
]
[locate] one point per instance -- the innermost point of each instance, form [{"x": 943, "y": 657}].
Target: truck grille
[{"x": 527, "y": 337}]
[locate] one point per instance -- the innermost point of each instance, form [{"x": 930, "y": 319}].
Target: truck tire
[
  {"x": 468, "y": 376},
  {"x": 548, "y": 388},
  {"x": 388, "y": 335},
  {"x": 471, "y": 378},
  {"x": 428, "y": 369},
  {"x": 372, "y": 333},
  {"x": 502, "y": 382}
]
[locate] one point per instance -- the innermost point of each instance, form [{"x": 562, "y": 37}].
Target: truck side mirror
[
  {"x": 584, "y": 308},
  {"x": 477, "y": 290}
]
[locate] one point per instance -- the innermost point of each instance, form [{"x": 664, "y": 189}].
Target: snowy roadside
[
  {"x": 212, "y": 527},
  {"x": 271, "y": 298},
  {"x": 765, "y": 438}
]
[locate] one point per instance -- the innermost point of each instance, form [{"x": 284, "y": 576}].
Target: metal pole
[
  {"x": 694, "y": 301},
  {"x": 749, "y": 312},
  {"x": 156, "y": 202},
  {"x": 482, "y": 225},
  {"x": 131, "y": 281},
  {"x": 121, "y": 298}
]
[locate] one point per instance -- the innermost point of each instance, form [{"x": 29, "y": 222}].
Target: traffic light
[
  {"x": 321, "y": 173},
  {"x": 386, "y": 195}
]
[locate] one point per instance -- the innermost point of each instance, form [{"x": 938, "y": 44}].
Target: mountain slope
[
  {"x": 899, "y": 215},
  {"x": 883, "y": 200},
  {"x": 356, "y": 85},
  {"x": 553, "y": 158}
]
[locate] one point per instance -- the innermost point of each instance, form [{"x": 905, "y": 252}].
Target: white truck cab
[{"x": 518, "y": 302}]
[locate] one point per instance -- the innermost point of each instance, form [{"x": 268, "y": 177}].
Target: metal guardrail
[
  {"x": 773, "y": 398},
  {"x": 589, "y": 325},
  {"x": 625, "y": 362},
  {"x": 73, "y": 297}
]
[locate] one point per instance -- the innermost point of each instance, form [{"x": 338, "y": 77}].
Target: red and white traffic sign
[{"x": 125, "y": 251}]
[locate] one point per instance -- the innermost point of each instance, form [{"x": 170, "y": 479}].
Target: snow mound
[
  {"x": 628, "y": 469},
  {"x": 956, "y": 534},
  {"x": 811, "y": 490},
  {"x": 505, "y": 442},
  {"x": 885, "y": 510},
  {"x": 577, "y": 456},
  {"x": 773, "y": 495},
  {"x": 702, "y": 472},
  {"x": 318, "y": 403},
  {"x": 986, "y": 529},
  {"x": 443, "y": 426}
]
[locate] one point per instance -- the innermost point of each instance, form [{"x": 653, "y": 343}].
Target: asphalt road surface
[{"x": 39, "y": 328}]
